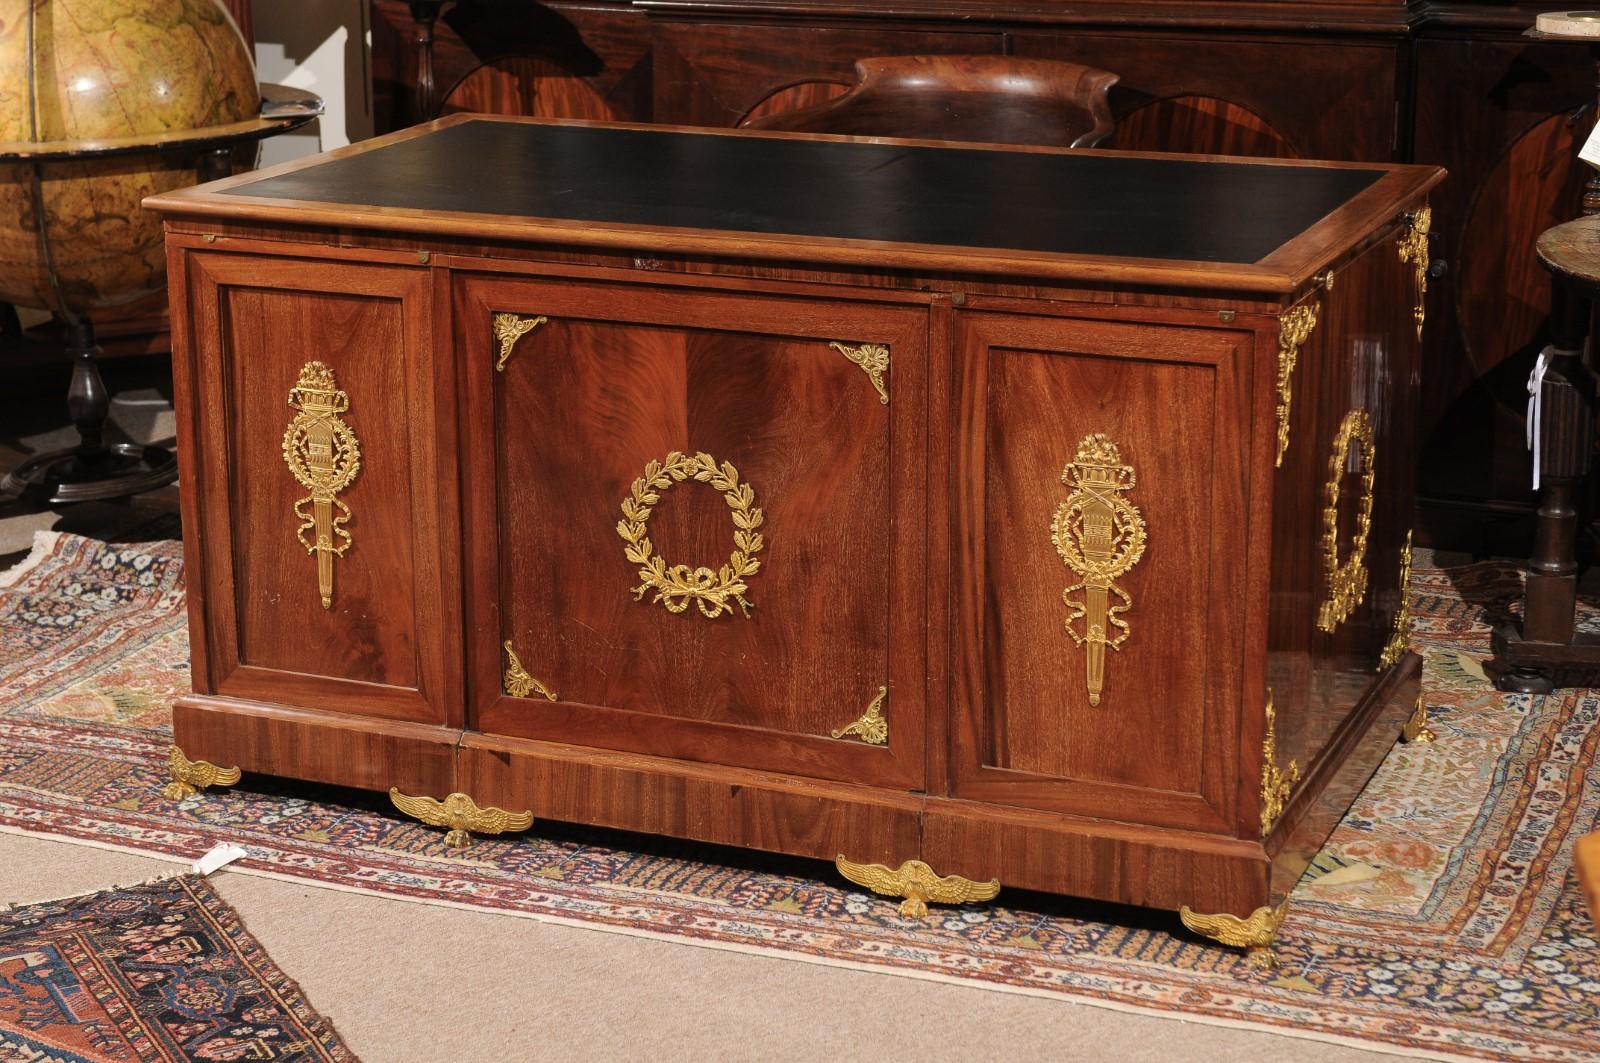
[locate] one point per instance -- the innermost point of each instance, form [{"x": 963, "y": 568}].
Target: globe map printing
[{"x": 107, "y": 70}]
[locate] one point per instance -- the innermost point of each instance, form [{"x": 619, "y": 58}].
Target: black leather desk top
[{"x": 1076, "y": 203}]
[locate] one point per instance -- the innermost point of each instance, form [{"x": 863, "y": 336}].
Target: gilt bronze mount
[
  {"x": 189, "y": 777},
  {"x": 676, "y": 586},
  {"x": 1400, "y": 636},
  {"x": 1347, "y": 578},
  {"x": 323, "y": 455},
  {"x": 1414, "y": 251},
  {"x": 870, "y": 726},
  {"x": 461, "y": 815},
  {"x": 1276, "y": 782},
  {"x": 873, "y": 358},
  {"x": 1416, "y": 729},
  {"x": 1294, "y": 328},
  {"x": 508, "y": 329},
  {"x": 918, "y": 884},
  {"x": 517, "y": 682},
  {"x": 1100, "y": 535},
  {"x": 1254, "y": 933}
]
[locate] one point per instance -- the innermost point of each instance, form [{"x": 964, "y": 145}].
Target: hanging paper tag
[
  {"x": 1591, "y": 148},
  {"x": 218, "y": 857},
  {"x": 1536, "y": 405}
]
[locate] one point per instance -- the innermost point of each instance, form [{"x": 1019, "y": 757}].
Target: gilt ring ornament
[
  {"x": 713, "y": 592},
  {"x": 1347, "y": 577}
]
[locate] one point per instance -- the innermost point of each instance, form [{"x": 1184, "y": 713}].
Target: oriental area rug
[
  {"x": 1442, "y": 919},
  {"x": 157, "y": 973}
]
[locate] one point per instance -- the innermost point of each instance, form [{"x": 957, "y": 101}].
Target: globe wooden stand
[{"x": 93, "y": 469}]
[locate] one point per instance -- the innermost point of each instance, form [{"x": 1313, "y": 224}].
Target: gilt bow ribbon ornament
[
  {"x": 323, "y": 454},
  {"x": 1100, "y": 535}
]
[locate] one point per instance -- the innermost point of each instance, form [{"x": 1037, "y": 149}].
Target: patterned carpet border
[
  {"x": 1441, "y": 919},
  {"x": 162, "y": 972}
]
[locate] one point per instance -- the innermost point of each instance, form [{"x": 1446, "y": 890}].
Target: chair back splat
[{"x": 983, "y": 98}]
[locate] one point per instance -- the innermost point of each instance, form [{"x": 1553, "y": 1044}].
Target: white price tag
[
  {"x": 1591, "y": 148},
  {"x": 218, "y": 857}
]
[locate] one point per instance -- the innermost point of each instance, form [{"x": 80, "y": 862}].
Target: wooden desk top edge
[{"x": 1282, "y": 272}]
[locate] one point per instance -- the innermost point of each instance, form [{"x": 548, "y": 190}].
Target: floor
[{"x": 412, "y": 983}]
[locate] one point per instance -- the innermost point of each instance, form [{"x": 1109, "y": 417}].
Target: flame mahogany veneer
[{"x": 701, "y": 292}]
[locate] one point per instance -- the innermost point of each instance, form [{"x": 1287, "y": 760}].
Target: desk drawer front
[
  {"x": 691, "y": 527},
  {"x": 1101, "y": 521}
]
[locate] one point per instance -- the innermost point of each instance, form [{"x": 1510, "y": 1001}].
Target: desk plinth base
[{"x": 972, "y": 840}]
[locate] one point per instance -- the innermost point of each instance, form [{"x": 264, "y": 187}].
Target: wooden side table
[{"x": 1529, "y": 656}]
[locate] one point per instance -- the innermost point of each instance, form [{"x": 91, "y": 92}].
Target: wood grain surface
[{"x": 907, "y": 545}]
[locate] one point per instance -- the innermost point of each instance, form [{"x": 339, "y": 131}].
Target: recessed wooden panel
[
  {"x": 379, "y": 647},
  {"x": 796, "y": 97},
  {"x": 367, "y": 633},
  {"x": 1322, "y": 99},
  {"x": 618, "y": 379},
  {"x": 532, "y": 86},
  {"x": 555, "y": 59},
  {"x": 719, "y": 74},
  {"x": 1031, "y": 391},
  {"x": 1198, "y": 124}
]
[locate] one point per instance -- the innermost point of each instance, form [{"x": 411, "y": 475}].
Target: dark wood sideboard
[
  {"x": 1444, "y": 83},
  {"x": 1065, "y": 498}
]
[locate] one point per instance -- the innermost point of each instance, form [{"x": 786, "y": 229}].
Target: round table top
[
  {"x": 282, "y": 109},
  {"x": 1571, "y": 251}
]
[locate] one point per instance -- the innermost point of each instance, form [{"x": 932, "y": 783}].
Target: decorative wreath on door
[{"x": 676, "y": 586}]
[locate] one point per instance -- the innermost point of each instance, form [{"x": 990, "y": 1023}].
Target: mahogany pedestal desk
[{"x": 1037, "y": 516}]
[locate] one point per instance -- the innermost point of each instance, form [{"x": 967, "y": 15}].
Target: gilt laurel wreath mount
[
  {"x": 1347, "y": 578},
  {"x": 1100, "y": 535},
  {"x": 676, "y": 586},
  {"x": 323, "y": 455}
]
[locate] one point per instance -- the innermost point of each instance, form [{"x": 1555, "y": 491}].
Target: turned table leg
[
  {"x": 1548, "y": 638},
  {"x": 424, "y": 13}
]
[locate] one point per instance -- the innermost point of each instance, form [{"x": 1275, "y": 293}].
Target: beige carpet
[{"x": 411, "y": 983}]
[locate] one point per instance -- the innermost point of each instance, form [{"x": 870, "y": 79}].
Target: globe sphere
[{"x": 106, "y": 70}]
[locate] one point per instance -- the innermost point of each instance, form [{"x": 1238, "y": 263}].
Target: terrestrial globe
[{"x": 102, "y": 103}]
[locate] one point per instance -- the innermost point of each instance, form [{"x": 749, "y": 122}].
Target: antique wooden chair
[{"x": 994, "y": 98}]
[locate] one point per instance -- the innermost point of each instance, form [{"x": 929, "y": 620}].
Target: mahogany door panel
[
  {"x": 706, "y": 539},
  {"x": 1101, "y": 515},
  {"x": 724, "y": 74},
  {"x": 345, "y": 456}
]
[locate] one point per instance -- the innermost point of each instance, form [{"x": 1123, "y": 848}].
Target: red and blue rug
[
  {"x": 157, "y": 973},
  {"x": 1442, "y": 919}
]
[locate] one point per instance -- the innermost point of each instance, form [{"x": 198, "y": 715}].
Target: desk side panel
[{"x": 1342, "y": 521}]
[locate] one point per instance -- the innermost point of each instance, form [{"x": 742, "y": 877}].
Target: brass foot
[
  {"x": 189, "y": 777},
  {"x": 1416, "y": 728},
  {"x": 918, "y": 884},
  {"x": 460, "y": 814},
  {"x": 1253, "y": 934}
]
